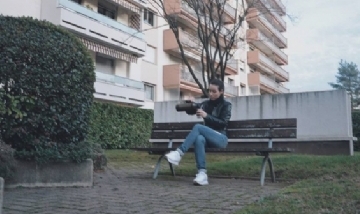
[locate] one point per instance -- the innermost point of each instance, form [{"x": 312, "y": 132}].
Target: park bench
[{"x": 168, "y": 136}]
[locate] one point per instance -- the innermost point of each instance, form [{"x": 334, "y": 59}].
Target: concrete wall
[
  {"x": 67, "y": 174},
  {"x": 321, "y": 116}
]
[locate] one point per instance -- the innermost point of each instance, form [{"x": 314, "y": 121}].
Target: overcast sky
[{"x": 324, "y": 32}]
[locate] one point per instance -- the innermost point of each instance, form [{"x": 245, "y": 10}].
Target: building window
[
  {"x": 105, "y": 65},
  {"x": 231, "y": 81},
  {"x": 242, "y": 90},
  {"x": 149, "y": 17},
  {"x": 150, "y": 55},
  {"x": 106, "y": 11},
  {"x": 149, "y": 92}
]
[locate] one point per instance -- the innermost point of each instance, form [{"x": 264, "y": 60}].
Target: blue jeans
[{"x": 200, "y": 137}]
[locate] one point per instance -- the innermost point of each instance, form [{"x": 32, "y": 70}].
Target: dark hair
[{"x": 218, "y": 83}]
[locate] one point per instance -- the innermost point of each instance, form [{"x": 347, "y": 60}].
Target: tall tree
[
  {"x": 348, "y": 78},
  {"x": 214, "y": 35}
]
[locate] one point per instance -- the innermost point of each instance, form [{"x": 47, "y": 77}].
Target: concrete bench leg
[
  {"x": 266, "y": 160},
  {"x": 271, "y": 167},
  {"x": 172, "y": 169},
  {"x": 157, "y": 168}
]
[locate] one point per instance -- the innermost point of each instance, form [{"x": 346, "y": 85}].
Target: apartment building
[
  {"x": 137, "y": 58},
  {"x": 112, "y": 32},
  {"x": 265, "y": 56},
  {"x": 257, "y": 64}
]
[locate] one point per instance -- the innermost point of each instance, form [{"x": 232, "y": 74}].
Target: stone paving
[{"x": 132, "y": 190}]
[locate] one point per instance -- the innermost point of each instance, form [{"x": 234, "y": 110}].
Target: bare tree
[{"x": 213, "y": 35}]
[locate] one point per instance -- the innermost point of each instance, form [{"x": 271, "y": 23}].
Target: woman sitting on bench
[{"x": 216, "y": 113}]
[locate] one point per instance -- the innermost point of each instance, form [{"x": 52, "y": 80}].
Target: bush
[
  {"x": 116, "y": 127},
  {"x": 356, "y": 128},
  {"x": 48, "y": 77},
  {"x": 7, "y": 161}
]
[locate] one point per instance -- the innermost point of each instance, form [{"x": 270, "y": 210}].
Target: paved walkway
[{"x": 132, "y": 190}]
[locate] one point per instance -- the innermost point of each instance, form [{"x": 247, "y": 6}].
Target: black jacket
[{"x": 218, "y": 114}]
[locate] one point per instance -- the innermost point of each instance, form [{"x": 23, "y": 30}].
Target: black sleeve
[{"x": 223, "y": 119}]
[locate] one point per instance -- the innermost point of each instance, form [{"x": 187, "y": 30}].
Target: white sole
[{"x": 201, "y": 183}]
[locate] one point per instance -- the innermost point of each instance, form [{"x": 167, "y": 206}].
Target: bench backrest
[{"x": 262, "y": 128}]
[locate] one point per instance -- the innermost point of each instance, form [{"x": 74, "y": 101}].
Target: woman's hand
[{"x": 201, "y": 113}]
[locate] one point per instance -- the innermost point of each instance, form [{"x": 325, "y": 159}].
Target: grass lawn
[{"x": 325, "y": 184}]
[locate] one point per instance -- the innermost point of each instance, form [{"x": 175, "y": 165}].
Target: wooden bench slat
[
  {"x": 217, "y": 150},
  {"x": 261, "y": 123},
  {"x": 175, "y": 126},
  {"x": 250, "y": 133},
  {"x": 277, "y": 133}
]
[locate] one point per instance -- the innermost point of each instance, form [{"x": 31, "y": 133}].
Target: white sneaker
[
  {"x": 201, "y": 179},
  {"x": 173, "y": 157}
]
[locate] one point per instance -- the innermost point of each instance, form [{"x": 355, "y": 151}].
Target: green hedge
[
  {"x": 48, "y": 84},
  {"x": 116, "y": 127},
  {"x": 356, "y": 129}
]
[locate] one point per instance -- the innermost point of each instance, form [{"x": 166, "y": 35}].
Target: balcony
[
  {"x": 260, "y": 41},
  {"x": 279, "y": 22},
  {"x": 190, "y": 44},
  {"x": 266, "y": 83},
  {"x": 139, "y": 3},
  {"x": 258, "y": 60},
  {"x": 229, "y": 12},
  {"x": 178, "y": 76},
  {"x": 279, "y": 7},
  {"x": 119, "y": 89},
  {"x": 258, "y": 20},
  {"x": 86, "y": 22},
  {"x": 231, "y": 67},
  {"x": 273, "y": 16},
  {"x": 231, "y": 89},
  {"x": 185, "y": 14}
]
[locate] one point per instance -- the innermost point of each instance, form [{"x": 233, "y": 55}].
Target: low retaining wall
[
  {"x": 324, "y": 124},
  {"x": 66, "y": 174}
]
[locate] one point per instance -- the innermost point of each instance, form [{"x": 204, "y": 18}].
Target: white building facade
[{"x": 136, "y": 55}]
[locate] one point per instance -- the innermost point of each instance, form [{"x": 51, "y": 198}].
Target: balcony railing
[
  {"x": 272, "y": 46},
  {"x": 273, "y": 30},
  {"x": 271, "y": 64},
  {"x": 232, "y": 63},
  {"x": 270, "y": 82},
  {"x": 280, "y": 5},
  {"x": 100, "y": 18},
  {"x": 231, "y": 89},
  {"x": 282, "y": 89},
  {"x": 276, "y": 16},
  {"x": 229, "y": 10},
  {"x": 186, "y": 75},
  {"x": 190, "y": 10},
  {"x": 121, "y": 81},
  {"x": 279, "y": 19}
]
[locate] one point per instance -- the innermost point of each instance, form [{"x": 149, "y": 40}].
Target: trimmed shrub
[
  {"x": 115, "y": 127},
  {"x": 356, "y": 128},
  {"x": 7, "y": 161},
  {"x": 48, "y": 78}
]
